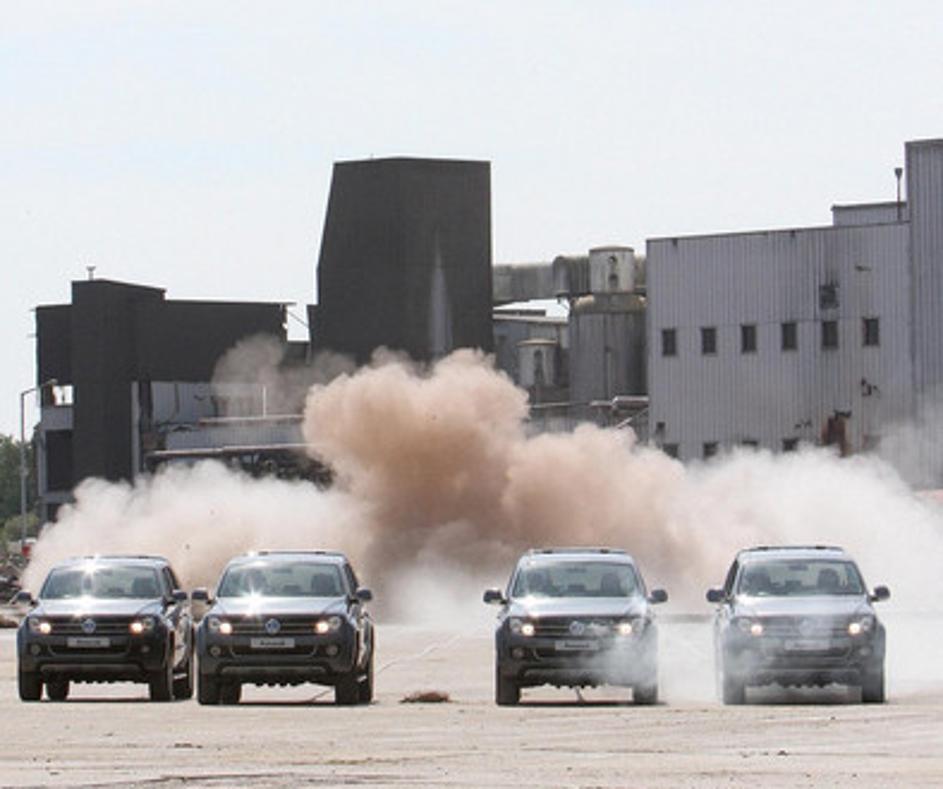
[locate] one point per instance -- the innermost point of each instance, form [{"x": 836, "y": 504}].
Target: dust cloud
[{"x": 439, "y": 488}]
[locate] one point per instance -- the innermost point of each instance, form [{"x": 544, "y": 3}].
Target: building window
[
  {"x": 750, "y": 443},
  {"x": 790, "y": 336},
  {"x": 748, "y": 338},
  {"x": 829, "y": 335},
  {"x": 669, "y": 342},
  {"x": 828, "y": 296},
  {"x": 671, "y": 450},
  {"x": 708, "y": 340},
  {"x": 871, "y": 332},
  {"x": 790, "y": 444},
  {"x": 709, "y": 449}
]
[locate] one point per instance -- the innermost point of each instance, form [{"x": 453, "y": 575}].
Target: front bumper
[
  {"x": 124, "y": 659},
  {"x": 606, "y": 661},
  {"x": 763, "y": 661},
  {"x": 320, "y": 659}
]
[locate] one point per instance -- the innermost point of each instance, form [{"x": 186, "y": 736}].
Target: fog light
[
  {"x": 517, "y": 653},
  {"x": 35, "y": 649},
  {"x": 215, "y": 651},
  {"x": 331, "y": 650}
]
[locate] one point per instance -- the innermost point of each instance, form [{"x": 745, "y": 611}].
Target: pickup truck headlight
[
  {"x": 216, "y": 625},
  {"x": 858, "y": 627},
  {"x": 521, "y": 628},
  {"x": 143, "y": 625},
  {"x": 630, "y": 627},
  {"x": 330, "y": 625},
  {"x": 751, "y": 627},
  {"x": 39, "y": 626}
]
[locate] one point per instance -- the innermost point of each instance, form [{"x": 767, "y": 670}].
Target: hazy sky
[{"x": 189, "y": 145}]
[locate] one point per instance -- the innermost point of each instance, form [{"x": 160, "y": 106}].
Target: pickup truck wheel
[
  {"x": 230, "y": 692},
  {"x": 30, "y": 685},
  {"x": 733, "y": 690},
  {"x": 365, "y": 686},
  {"x": 207, "y": 689},
  {"x": 872, "y": 686},
  {"x": 57, "y": 690},
  {"x": 161, "y": 682},
  {"x": 183, "y": 686},
  {"x": 347, "y": 690},
  {"x": 506, "y": 691},
  {"x": 646, "y": 693}
]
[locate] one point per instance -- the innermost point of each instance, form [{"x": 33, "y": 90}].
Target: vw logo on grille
[
  {"x": 88, "y": 626},
  {"x": 577, "y": 628},
  {"x": 807, "y": 627},
  {"x": 272, "y": 626}
]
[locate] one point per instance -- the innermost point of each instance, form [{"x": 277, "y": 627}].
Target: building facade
[{"x": 826, "y": 334}]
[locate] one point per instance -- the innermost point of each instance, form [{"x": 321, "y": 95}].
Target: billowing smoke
[{"x": 439, "y": 486}]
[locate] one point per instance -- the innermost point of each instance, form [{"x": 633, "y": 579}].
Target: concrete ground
[{"x": 110, "y": 735}]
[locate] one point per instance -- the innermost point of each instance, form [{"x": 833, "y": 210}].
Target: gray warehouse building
[{"x": 827, "y": 334}]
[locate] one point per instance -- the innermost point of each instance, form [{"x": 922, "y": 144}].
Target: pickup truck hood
[
  {"x": 82, "y": 607},
  {"x": 279, "y": 606},
  {"x": 840, "y": 607},
  {"x": 579, "y": 607}
]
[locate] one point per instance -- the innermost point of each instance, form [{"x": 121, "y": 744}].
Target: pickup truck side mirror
[
  {"x": 23, "y": 598},
  {"x": 880, "y": 593},
  {"x": 363, "y": 594},
  {"x": 715, "y": 595},
  {"x": 658, "y": 596},
  {"x": 178, "y": 596},
  {"x": 494, "y": 597},
  {"x": 200, "y": 595}
]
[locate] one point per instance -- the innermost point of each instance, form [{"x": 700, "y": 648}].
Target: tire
[
  {"x": 57, "y": 690},
  {"x": 183, "y": 686},
  {"x": 646, "y": 694},
  {"x": 161, "y": 683},
  {"x": 207, "y": 689},
  {"x": 507, "y": 692},
  {"x": 230, "y": 692},
  {"x": 733, "y": 690},
  {"x": 30, "y": 685},
  {"x": 872, "y": 686},
  {"x": 365, "y": 685},
  {"x": 347, "y": 690}
]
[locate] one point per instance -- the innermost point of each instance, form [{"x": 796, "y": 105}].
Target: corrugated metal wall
[{"x": 766, "y": 279}]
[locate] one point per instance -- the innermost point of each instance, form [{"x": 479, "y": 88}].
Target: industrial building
[
  {"x": 405, "y": 259},
  {"x": 828, "y": 335},
  {"x": 122, "y": 369}
]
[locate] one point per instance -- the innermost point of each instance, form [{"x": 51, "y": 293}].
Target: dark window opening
[
  {"x": 709, "y": 449},
  {"x": 750, "y": 443},
  {"x": 669, "y": 342},
  {"x": 671, "y": 450},
  {"x": 790, "y": 444},
  {"x": 829, "y": 335},
  {"x": 708, "y": 340},
  {"x": 748, "y": 338},
  {"x": 828, "y": 296},
  {"x": 790, "y": 336},
  {"x": 871, "y": 332}
]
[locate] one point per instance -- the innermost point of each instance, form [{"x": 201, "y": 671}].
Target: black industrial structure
[
  {"x": 406, "y": 258},
  {"x": 115, "y": 336}
]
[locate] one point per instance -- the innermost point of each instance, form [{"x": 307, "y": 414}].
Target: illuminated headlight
[
  {"x": 750, "y": 626},
  {"x": 628, "y": 628},
  {"x": 521, "y": 628},
  {"x": 860, "y": 626},
  {"x": 143, "y": 625},
  {"x": 39, "y": 626},
  {"x": 217, "y": 625},
  {"x": 329, "y": 625}
]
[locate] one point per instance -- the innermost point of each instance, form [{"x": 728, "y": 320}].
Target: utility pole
[{"x": 24, "y": 471}]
